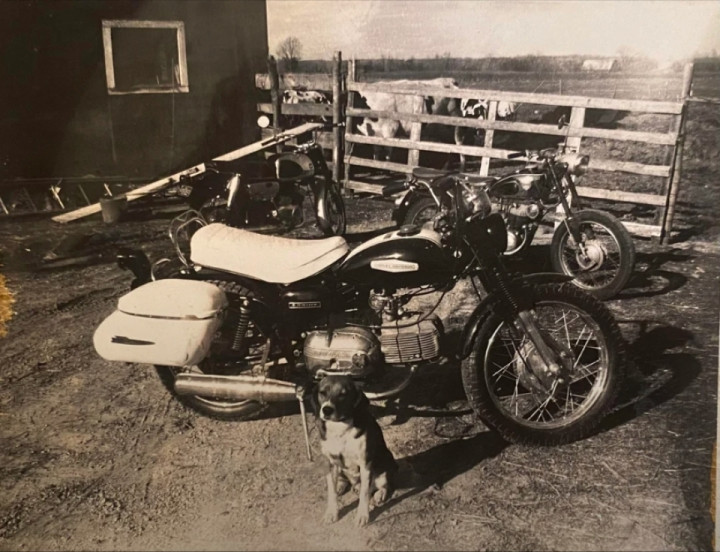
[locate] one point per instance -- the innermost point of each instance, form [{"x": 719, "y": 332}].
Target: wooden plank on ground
[
  {"x": 644, "y": 230},
  {"x": 197, "y": 169},
  {"x": 357, "y": 186},
  {"x": 281, "y": 137},
  {"x": 132, "y": 195}
]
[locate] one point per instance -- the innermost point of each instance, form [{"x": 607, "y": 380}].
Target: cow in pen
[{"x": 444, "y": 105}]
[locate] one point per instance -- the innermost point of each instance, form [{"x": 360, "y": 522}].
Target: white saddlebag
[{"x": 168, "y": 322}]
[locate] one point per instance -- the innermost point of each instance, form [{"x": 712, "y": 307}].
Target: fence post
[
  {"x": 337, "y": 92},
  {"x": 489, "y": 135},
  {"x": 275, "y": 97},
  {"x": 415, "y": 132},
  {"x": 348, "y": 123},
  {"x": 676, "y": 167},
  {"x": 577, "y": 120}
]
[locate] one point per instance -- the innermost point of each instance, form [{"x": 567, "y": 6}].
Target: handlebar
[{"x": 547, "y": 154}]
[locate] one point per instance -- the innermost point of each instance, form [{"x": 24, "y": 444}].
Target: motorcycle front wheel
[
  {"x": 330, "y": 211},
  {"x": 504, "y": 380},
  {"x": 221, "y": 409},
  {"x": 604, "y": 260}
]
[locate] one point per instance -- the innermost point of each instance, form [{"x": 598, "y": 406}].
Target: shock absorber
[{"x": 242, "y": 326}]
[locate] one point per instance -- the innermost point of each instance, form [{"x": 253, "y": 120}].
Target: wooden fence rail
[{"x": 345, "y": 162}]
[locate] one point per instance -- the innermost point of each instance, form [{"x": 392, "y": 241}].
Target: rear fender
[
  {"x": 403, "y": 204},
  {"x": 490, "y": 305}
]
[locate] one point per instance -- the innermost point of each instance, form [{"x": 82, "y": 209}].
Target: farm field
[
  {"x": 97, "y": 456},
  {"x": 638, "y": 86}
]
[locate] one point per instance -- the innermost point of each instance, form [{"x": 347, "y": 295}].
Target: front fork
[
  {"x": 570, "y": 221},
  {"x": 519, "y": 314}
]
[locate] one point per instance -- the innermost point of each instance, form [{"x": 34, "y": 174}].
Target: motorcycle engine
[
  {"x": 357, "y": 351},
  {"x": 353, "y": 351}
]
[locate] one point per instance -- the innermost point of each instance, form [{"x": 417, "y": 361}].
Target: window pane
[{"x": 144, "y": 58}]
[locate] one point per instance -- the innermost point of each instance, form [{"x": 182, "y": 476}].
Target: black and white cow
[
  {"x": 436, "y": 105},
  {"x": 298, "y": 96}
]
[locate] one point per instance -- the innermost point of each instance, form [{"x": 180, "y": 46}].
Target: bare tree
[{"x": 289, "y": 51}]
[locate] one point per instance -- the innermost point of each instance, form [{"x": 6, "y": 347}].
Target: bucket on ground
[{"x": 112, "y": 208}]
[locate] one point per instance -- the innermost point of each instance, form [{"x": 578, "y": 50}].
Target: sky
[{"x": 665, "y": 30}]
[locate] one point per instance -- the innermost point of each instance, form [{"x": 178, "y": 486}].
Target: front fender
[{"x": 489, "y": 305}]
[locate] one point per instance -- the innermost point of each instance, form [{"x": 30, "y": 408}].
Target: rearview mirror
[{"x": 263, "y": 121}]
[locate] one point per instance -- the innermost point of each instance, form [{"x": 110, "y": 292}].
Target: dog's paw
[
  {"x": 380, "y": 496},
  {"x": 362, "y": 519},
  {"x": 342, "y": 486},
  {"x": 331, "y": 516}
]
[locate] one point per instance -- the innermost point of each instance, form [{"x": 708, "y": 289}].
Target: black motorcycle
[
  {"x": 249, "y": 319},
  {"x": 590, "y": 245},
  {"x": 272, "y": 190}
]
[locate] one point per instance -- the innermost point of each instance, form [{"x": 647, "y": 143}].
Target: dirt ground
[{"x": 97, "y": 456}]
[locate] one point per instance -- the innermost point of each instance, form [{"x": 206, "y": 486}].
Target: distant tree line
[{"x": 444, "y": 63}]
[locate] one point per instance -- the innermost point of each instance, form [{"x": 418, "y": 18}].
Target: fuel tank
[{"x": 407, "y": 257}]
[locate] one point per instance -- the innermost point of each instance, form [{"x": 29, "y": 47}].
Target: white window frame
[{"x": 109, "y": 24}]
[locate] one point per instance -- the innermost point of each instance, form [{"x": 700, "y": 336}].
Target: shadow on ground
[{"x": 656, "y": 371}]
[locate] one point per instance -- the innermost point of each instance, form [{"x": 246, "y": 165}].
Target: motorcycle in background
[
  {"x": 272, "y": 190},
  {"x": 590, "y": 245},
  {"x": 250, "y": 319}
]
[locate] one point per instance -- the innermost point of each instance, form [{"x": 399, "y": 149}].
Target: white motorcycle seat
[{"x": 271, "y": 259}]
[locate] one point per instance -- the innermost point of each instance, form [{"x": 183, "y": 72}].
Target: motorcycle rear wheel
[
  {"x": 420, "y": 212},
  {"x": 208, "y": 406},
  {"x": 498, "y": 374},
  {"x": 610, "y": 253}
]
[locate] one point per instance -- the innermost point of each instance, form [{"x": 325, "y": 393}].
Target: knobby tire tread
[{"x": 478, "y": 395}]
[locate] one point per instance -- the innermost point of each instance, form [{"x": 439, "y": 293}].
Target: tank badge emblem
[
  {"x": 304, "y": 304},
  {"x": 391, "y": 265}
]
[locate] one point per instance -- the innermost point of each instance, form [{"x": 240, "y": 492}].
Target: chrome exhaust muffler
[{"x": 236, "y": 388}]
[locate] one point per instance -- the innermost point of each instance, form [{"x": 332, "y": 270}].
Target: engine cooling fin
[{"x": 411, "y": 339}]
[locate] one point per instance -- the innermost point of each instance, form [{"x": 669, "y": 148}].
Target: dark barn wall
[{"x": 58, "y": 120}]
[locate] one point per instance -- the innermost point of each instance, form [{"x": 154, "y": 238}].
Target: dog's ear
[
  {"x": 312, "y": 392},
  {"x": 362, "y": 404}
]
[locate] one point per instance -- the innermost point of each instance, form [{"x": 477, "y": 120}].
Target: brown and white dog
[{"x": 354, "y": 446}]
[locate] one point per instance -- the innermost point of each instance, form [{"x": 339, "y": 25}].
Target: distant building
[
  {"x": 126, "y": 88},
  {"x": 599, "y": 65}
]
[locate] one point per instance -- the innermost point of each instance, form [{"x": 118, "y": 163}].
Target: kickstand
[{"x": 300, "y": 397}]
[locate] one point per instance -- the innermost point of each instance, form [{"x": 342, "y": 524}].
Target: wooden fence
[
  {"x": 333, "y": 85},
  {"x": 343, "y": 88}
]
